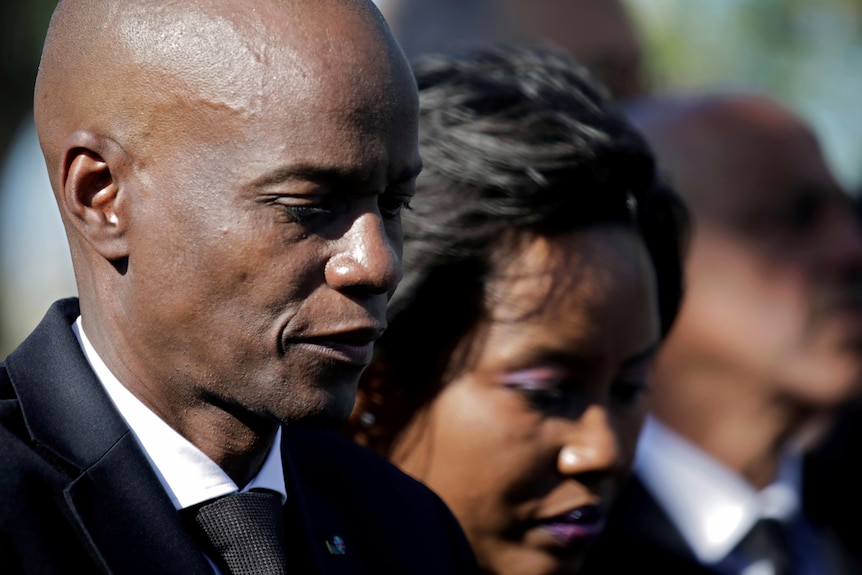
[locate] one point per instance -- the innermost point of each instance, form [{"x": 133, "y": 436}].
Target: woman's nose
[{"x": 591, "y": 445}]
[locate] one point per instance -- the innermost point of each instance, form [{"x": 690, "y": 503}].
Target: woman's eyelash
[
  {"x": 546, "y": 388},
  {"x": 543, "y": 398},
  {"x": 541, "y": 387}
]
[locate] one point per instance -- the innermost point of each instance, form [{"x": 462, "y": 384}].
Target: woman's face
[{"x": 528, "y": 444}]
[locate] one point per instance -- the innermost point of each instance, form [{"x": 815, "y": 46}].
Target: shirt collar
[
  {"x": 712, "y": 506},
  {"x": 188, "y": 476}
]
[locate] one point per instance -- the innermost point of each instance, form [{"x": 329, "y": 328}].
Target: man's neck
[
  {"x": 236, "y": 441},
  {"x": 237, "y": 448}
]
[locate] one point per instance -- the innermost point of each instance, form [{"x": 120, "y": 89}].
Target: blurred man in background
[
  {"x": 599, "y": 33},
  {"x": 767, "y": 346}
]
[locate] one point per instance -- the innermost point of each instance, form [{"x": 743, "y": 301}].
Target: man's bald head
[
  {"x": 710, "y": 143},
  {"x": 115, "y": 67},
  {"x": 600, "y": 33},
  {"x": 138, "y": 80}
]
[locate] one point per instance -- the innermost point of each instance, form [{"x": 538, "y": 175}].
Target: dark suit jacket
[
  {"x": 641, "y": 538},
  {"x": 833, "y": 476},
  {"x": 77, "y": 494}
]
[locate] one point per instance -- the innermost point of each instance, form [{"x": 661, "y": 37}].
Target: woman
[{"x": 542, "y": 268}]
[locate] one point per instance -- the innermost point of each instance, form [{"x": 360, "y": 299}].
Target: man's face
[
  {"x": 266, "y": 235},
  {"x": 773, "y": 290}
]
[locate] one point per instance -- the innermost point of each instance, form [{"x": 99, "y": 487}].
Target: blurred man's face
[{"x": 773, "y": 274}]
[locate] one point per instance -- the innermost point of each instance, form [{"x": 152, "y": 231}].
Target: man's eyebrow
[
  {"x": 642, "y": 355},
  {"x": 308, "y": 172},
  {"x": 317, "y": 173}
]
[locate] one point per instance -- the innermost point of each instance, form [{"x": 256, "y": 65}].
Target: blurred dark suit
[{"x": 642, "y": 538}]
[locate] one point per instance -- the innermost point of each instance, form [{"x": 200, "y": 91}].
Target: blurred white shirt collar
[
  {"x": 188, "y": 476},
  {"x": 711, "y": 506}
]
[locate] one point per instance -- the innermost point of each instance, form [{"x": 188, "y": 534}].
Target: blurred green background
[{"x": 807, "y": 53}]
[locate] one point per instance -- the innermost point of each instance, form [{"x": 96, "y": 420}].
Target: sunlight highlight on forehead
[{"x": 225, "y": 59}]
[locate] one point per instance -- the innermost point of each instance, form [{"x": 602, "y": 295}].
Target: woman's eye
[
  {"x": 391, "y": 206},
  {"x": 545, "y": 399},
  {"x": 542, "y": 388},
  {"x": 629, "y": 392}
]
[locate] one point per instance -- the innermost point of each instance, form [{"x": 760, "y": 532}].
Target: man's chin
[
  {"x": 329, "y": 413},
  {"x": 319, "y": 420},
  {"x": 829, "y": 393}
]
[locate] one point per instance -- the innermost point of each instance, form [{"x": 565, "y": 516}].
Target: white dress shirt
[
  {"x": 711, "y": 506},
  {"x": 187, "y": 475}
]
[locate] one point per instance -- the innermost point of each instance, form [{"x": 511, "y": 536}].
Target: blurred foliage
[{"x": 805, "y": 53}]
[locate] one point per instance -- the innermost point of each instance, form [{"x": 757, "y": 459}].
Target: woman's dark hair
[{"x": 516, "y": 141}]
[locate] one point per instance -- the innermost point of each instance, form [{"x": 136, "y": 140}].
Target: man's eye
[
  {"x": 629, "y": 392},
  {"x": 303, "y": 214},
  {"x": 391, "y": 206},
  {"x": 802, "y": 213}
]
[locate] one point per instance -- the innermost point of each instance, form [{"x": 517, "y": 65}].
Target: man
[
  {"x": 767, "y": 346},
  {"x": 230, "y": 175},
  {"x": 599, "y": 33}
]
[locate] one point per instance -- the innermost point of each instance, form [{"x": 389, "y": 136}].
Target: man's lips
[{"x": 353, "y": 345}]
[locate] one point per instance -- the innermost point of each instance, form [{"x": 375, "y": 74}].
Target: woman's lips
[{"x": 577, "y": 526}]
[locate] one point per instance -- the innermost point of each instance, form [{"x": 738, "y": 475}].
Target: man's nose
[{"x": 368, "y": 258}]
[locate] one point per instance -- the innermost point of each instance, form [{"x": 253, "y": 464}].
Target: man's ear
[{"x": 91, "y": 194}]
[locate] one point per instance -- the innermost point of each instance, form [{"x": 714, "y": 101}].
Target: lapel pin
[{"x": 336, "y": 546}]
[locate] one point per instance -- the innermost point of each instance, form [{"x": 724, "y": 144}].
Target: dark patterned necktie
[
  {"x": 242, "y": 533},
  {"x": 767, "y": 541}
]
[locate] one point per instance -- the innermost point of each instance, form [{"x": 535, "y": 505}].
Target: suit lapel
[
  {"x": 121, "y": 508},
  {"x": 113, "y": 499},
  {"x": 652, "y": 524},
  {"x": 640, "y": 525},
  {"x": 321, "y": 542},
  {"x": 824, "y": 493}
]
